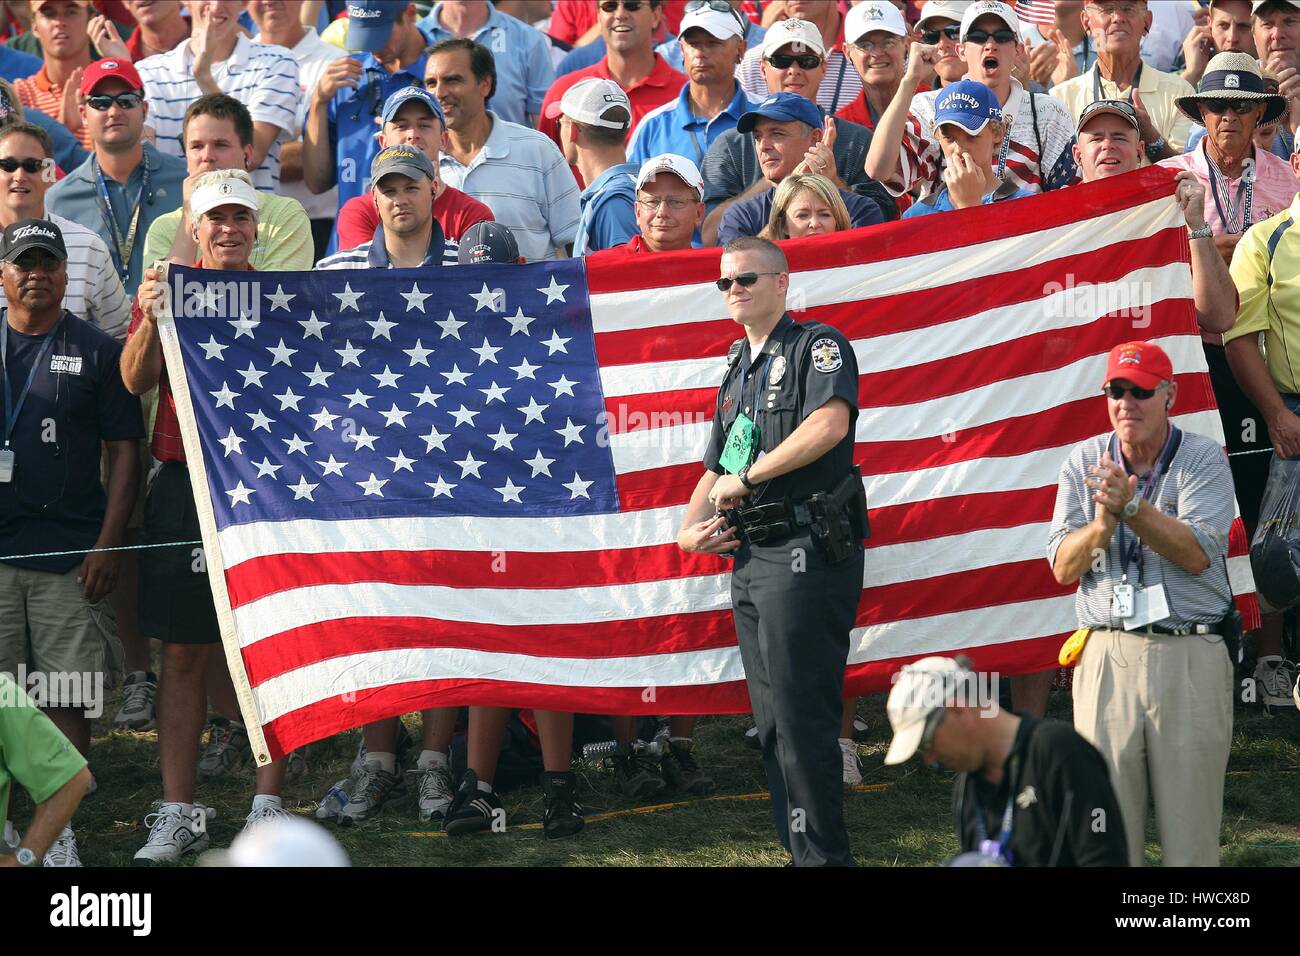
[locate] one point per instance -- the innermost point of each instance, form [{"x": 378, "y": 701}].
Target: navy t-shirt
[
  {"x": 56, "y": 501},
  {"x": 748, "y": 217}
]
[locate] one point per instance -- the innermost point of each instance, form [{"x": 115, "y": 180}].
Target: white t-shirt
[{"x": 313, "y": 55}]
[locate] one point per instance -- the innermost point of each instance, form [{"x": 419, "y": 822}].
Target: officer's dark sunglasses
[
  {"x": 10, "y": 165},
  {"x": 631, "y": 6},
  {"x": 1117, "y": 392},
  {"x": 982, "y": 36},
  {"x": 1240, "y": 107},
  {"x": 103, "y": 101},
  {"x": 806, "y": 61},
  {"x": 952, "y": 31},
  {"x": 745, "y": 279}
]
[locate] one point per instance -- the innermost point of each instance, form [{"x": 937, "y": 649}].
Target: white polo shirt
[
  {"x": 261, "y": 76},
  {"x": 522, "y": 177},
  {"x": 313, "y": 55},
  {"x": 94, "y": 291}
]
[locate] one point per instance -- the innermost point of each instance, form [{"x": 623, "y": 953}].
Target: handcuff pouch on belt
[{"x": 837, "y": 519}]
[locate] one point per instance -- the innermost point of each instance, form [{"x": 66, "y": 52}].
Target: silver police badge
[
  {"x": 826, "y": 355},
  {"x": 778, "y": 371}
]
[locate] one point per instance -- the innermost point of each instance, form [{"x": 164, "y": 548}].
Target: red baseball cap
[
  {"x": 102, "y": 70},
  {"x": 1143, "y": 364}
]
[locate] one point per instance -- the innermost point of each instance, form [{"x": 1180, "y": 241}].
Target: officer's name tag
[
  {"x": 738, "y": 450},
  {"x": 1149, "y": 605},
  {"x": 6, "y": 466}
]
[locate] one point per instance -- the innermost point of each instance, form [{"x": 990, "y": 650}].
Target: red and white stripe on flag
[
  {"x": 1041, "y": 13},
  {"x": 981, "y": 336}
]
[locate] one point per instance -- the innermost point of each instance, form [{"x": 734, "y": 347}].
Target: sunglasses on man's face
[
  {"x": 102, "y": 101},
  {"x": 745, "y": 279},
  {"x": 806, "y": 61},
  {"x": 982, "y": 36},
  {"x": 10, "y": 165},
  {"x": 1117, "y": 392},
  {"x": 952, "y": 31},
  {"x": 1240, "y": 107},
  {"x": 631, "y": 6}
]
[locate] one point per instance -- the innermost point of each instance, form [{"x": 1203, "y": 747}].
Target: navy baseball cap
[
  {"x": 407, "y": 93},
  {"x": 487, "y": 241},
  {"x": 370, "y": 23},
  {"x": 784, "y": 108},
  {"x": 968, "y": 104}
]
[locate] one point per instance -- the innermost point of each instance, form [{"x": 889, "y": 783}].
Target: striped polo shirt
[
  {"x": 261, "y": 76},
  {"x": 522, "y": 177},
  {"x": 94, "y": 291},
  {"x": 36, "y": 92},
  {"x": 1197, "y": 490},
  {"x": 373, "y": 254}
]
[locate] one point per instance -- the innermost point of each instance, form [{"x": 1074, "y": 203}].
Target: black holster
[{"x": 1233, "y": 628}]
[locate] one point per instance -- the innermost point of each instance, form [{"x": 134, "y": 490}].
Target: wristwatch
[
  {"x": 1130, "y": 509},
  {"x": 743, "y": 475},
  {"x": 25, "y": 856},
  {"x": 1201, "y": 232}
]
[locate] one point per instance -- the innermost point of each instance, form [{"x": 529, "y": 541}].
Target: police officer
[{"x": 789, "y": 507}]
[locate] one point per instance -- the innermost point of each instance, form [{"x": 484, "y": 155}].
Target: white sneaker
[
  {"x": 435, "y": 791},
  {"x": 1274, "y": 680},
  {"x": 172, "y": 833},
  {"x": 139, "y": 691},
  {"x": 265, "y": 813},
  {"x": 64, "y": 850},
  {"x": 852, "y": 762}
]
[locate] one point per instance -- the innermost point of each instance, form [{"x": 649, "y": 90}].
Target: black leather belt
[
  {"x": 772, "y": 521},
  {"x": 1181, "y": 631}
]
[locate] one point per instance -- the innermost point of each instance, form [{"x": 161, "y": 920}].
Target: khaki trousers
[{"x": 1159, "y": 708}]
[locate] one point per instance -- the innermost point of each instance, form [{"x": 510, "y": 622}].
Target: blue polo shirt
[
  {"x": 747, "y": 218},
  {"x": 608, "y": 216},
  {"x": 15, "y": 64},
  {"x": 352, "y": 124},
  {"x": 943, "y": 203},
  {"x": 674, "y": 128},
  {"x": 68, "y": 151},
  {"x": 76, "y": 197},
  {"x": 56, "y": 501},
  {"x": 523, "y": 61}
]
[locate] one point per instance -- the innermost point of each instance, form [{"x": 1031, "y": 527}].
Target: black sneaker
[
  {"x": 473, "y": 810},
  {"x": 683, "y": 771},
  {"x": 563, "y": 814},
  {"x": 638, "y": 776}
]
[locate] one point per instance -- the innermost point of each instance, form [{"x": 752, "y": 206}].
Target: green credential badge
[{"x": 742, "y": 439}]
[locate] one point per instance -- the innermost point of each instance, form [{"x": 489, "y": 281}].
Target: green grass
[{"x": 906, "y": 824}]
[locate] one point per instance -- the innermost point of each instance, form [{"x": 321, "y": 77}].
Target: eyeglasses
[
  {"x": 1117, "y": 392},
  {"x": 631, "y": 6},
  {"x": 102, "y": 101},
  {"x": 650, "y": 204},
  {"x": 982, "y": 36},
  {"x": 871, "y": 46},
  {"x": 1126, "y": 10},
  {"x": 10, "y": 165},
  {"x": 806, "y": 61},
  {"x": 1240, "y": 107},
  {"x": 745, "y": 279},
  {"x": 932, "y": 722},
  {"x": 952, "y": 31}
]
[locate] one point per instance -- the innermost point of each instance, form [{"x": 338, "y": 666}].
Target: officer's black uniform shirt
[
  {"x": 811, "y": 363},
  {"x": 1066, "y": 811},
  {"x": 56, "y": 500}
]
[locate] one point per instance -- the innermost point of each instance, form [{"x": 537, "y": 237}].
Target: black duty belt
[{"x": 772, "y": 521}]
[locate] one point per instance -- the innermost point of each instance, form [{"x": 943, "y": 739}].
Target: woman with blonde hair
[{"x": 806, "y": 205}]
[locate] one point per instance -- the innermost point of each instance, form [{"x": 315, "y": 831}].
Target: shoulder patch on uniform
[
  {"x": 733, "y": 353},
  {"x": 826, "y": 355}
]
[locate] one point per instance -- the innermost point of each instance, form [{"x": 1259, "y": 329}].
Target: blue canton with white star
[{"x": 469, "y": 390}]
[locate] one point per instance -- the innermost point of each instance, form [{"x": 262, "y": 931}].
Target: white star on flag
[
  {"x": 358, "y": 397},
  {"x": 349, "y": 354},
  {"x": 470, "y": 464},
  {"x": 455, "y": 376},
  {"x": 239, "y": 494},
  {"x": 212, "y": 349},
  {"x": 503, "y": 439},
  {"x": 260, "y": 420},
  {"x": 556, "y": 344},
  {"x": 533, "y": 411},
  {"x": 312, "y": 328},
  {"x": 563, "y": 386},
  {"x": 347, "y": 298},
  {"x": 280, "y": 299},
  {"x": 323, "y": 419},
  {"x": 578, "y": 487},
  {"x": 281, "y": 354},
  {"x": 553, "y": 292},
  {"x": 380, "y": 327},
  {"x": 233, "y": 444},
  {"x": 265, "y": 468},
  {"x": 440, "y": 487},
  {"x": 519, "y": 322},
  {"x": 373, "y": 486},
  {"x": 486, "y": 352},
  {"x": 495, "y": 393},
  {"x": 332, "y": 467},
  {"x": 426, "y": 397},
  {"x": 524, "y": 370},
  {"x": 450, "y": 326},
  {"x": 303, "y": 489},
  {"x": 571, "y": 432},
  {"x": 463, "y": 416},
  {"x": 363, "y": 437},
  {"x": 402, "y": 463},
  {"x": 225, "y": 397},
  {"x": 419, "y": 355},
  {"x": 415, "y": 298},
  {"x": 435, "y": 439},
  {"x": 509, "y": 491},
  {"x": 251, "y": 375},
  {"x": 387, "y": 378},
  {"x": 394, "y": 416},
  {"x": 288, "y": 399},
  {"x": 540, "y": 464},
  {"x": 244, "y": 325},
  {"x": 296, "y": 444},
  {"x": 318, "y": 376},
  {"x": 486, "y": 299}
]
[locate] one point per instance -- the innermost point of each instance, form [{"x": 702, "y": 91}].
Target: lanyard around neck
[
  {"x": 1096, "y": 82},
  {"x": 12, "y": 408}
]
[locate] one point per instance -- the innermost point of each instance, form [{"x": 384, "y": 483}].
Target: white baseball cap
[
  {"x": 222, "y": 187},
  {"x": 287, "y": 841},
  {"x": 587, "y": 100},
  {"x": 995, "y": 8},
  {"x": 679, "y": 166},
  {"x": 920, "y": 689},
  {"x": 873, "y": 15},
  {"x": 785, "y": 32},
  {"x": 724, "y": 26},
  {"x": 947, "y": 9}
]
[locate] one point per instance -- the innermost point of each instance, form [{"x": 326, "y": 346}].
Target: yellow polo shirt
[
  {"x": 1277, "y": 315},
  {"x": 284, "y": 241},
  {"x": 1158, "y": 91}
]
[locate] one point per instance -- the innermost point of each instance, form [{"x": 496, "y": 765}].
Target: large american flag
[{"x": 463, "y": 485}]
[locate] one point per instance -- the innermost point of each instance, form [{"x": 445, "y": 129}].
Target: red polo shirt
[
  {"x": 663, "y": 84},
  {"x": 572, "y": 19},
  {"x": 454, "y": 210}
]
